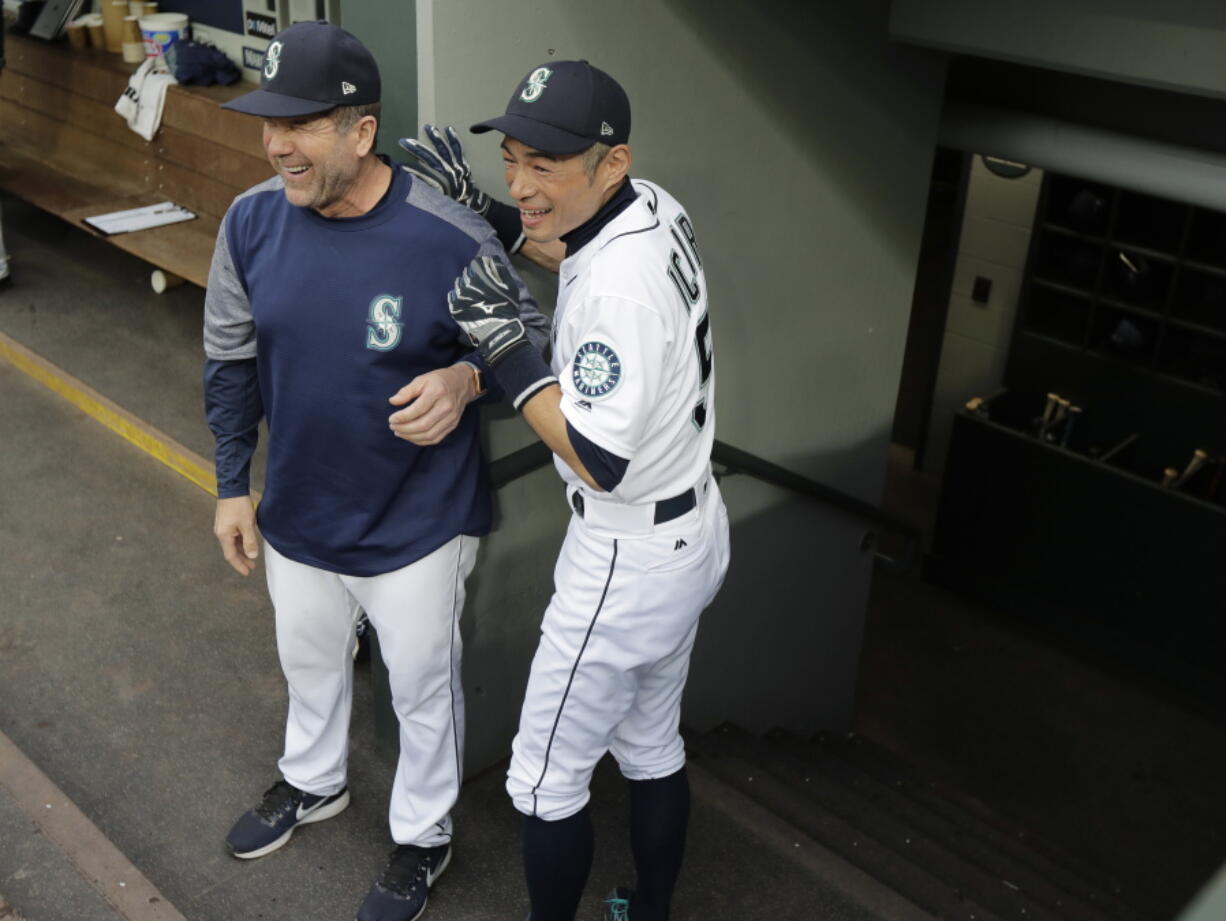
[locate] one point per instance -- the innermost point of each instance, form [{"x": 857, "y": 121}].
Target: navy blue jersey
[{"x": 339, "y": 314}]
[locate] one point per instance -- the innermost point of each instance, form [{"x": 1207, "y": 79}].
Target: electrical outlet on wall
[{"x": 981, "y": 290}]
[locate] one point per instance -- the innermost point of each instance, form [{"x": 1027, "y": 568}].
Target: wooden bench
[{"x": 65, "y": 149}]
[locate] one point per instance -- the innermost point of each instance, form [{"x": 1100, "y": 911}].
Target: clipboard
[{"x": 159, "y": 215}]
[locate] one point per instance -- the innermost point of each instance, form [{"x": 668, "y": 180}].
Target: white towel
[{"x": 142, "y": 101}]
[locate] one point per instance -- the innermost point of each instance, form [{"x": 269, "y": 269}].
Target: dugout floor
[{"x": 141, "y": 701}]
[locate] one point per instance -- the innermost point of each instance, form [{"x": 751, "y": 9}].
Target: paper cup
[
  {"x": 97, "y": 35},
  {"x": 77, "y": 36},
  {"x": 113, "y": 12},
  {"x": 162, "y": 30}
]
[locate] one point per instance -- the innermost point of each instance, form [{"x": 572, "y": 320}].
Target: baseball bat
[
  {"x": 1058, "y": 416},
  {"x": 1074, "y": 412},
  {"x": 1199, "y": 457},
  {"x": 1169, "y": 476},
  {"x": 1048, "y": 409}
]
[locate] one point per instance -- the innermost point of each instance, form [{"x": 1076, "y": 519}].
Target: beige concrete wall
[
  {"x": 800, "y": 139},
  {"x": 994, "y": 243}
]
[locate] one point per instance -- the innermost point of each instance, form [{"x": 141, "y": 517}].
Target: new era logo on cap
[
  {"x": 309, "y": 68},
  {"x": 564, "y": 107}
]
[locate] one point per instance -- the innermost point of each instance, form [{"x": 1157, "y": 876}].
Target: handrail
[
  {"x": 518, "y": 463},
  {"x": 532, "y": 457},
  {"x": 737, "y": 461}
]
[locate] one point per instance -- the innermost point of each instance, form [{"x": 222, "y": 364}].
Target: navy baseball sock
[
  {"x": 557, "y": 860},
  {"x": 659, "y": 815}
]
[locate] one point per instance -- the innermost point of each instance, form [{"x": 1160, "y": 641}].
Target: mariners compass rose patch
[{"x": 596, "y": 370}]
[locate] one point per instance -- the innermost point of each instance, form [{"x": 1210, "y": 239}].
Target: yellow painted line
[{"x": 156, "y": 444}]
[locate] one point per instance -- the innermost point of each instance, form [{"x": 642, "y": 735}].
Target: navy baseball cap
[
  {"x": 309, "y": 68},
  {"x": 564, "y": 107}
]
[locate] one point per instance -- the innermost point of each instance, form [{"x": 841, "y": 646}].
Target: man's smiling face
[{"x": 554, "y": 194}]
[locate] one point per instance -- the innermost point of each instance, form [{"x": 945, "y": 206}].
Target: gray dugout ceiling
[{"x": 1120, "y": 92}]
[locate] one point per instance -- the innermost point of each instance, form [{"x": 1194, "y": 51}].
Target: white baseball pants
[
  {"x": 614, "y": 655},
  {"x": 416, "y": 611}
]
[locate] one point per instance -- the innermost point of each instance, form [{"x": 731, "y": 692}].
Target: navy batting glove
[
  {"x": 484, "y": 302},
  {"x": 445, "y": 167}
]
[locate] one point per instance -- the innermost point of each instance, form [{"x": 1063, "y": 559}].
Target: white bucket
[{"x": 161, "y": 30}]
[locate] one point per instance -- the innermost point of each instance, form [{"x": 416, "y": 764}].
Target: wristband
[{"x": 522, "y": 373}]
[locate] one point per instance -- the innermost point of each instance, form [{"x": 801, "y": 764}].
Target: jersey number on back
[{"x": 684, "y": 265}]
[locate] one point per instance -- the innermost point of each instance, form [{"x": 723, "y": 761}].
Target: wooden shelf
[{"x": 67, "y": 151}]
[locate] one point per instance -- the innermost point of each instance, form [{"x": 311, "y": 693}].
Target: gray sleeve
[
  {"x": 229, "y": 330},
  {"x": 431, "y": 200}
]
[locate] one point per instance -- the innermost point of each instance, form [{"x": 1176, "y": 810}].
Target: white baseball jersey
[{"x": 632, "y": 348}]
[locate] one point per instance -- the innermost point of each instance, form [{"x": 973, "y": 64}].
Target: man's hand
[
  {"x": 548, "y": 256},
  {"x": 484, "y": 302},
  {"x": 435, "y": 403},
  {"x": 446, "y": 170},
  {"x": 234, "y": 528}
]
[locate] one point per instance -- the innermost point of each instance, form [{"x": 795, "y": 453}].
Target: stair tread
[
  {"x": 1045, "y": 859},
  {"x": 944, "y": 845},
  {"x": 929, "y": 892}
]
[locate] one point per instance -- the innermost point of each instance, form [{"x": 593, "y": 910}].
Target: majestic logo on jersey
[
  {"x": 272, "y": 60},
  {"x": 383, "y": 326},
  {"x": 535, "y": 84},
  {"x": 596, "y": 370}
]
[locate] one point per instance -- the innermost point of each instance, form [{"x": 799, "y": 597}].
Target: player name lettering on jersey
[{"x": 685, "y": 277}]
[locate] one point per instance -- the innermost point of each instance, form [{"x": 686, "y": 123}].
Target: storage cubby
[
  {"x": 1129, "y": 277},
  {"x": 1094, "y": 530},
  {"x": 1200, "y": 298}
]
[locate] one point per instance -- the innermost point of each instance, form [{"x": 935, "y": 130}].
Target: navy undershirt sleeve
[
  {"x": 233, "y": 407},
  {"x": 607, "y": 469},
  {"x": 506, "y": 223}
]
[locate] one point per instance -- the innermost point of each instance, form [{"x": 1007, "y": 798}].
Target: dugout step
[
  {"x": 948, "y": 858},
  {"x": 1038, "y": 866}
]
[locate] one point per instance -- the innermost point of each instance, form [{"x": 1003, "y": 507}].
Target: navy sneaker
[
  {"x": 284, "y": 807},
  {"x": 617, "y": 904},
  {"x": 400, "y": 893}
]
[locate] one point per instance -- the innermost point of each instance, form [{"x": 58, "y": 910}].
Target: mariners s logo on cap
[
  {"x": 535, "y": 84},
  {"x": 596, "y": 370},
  {"x": 309, "y": 68},
  {"x": 272, "y": 60}
]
